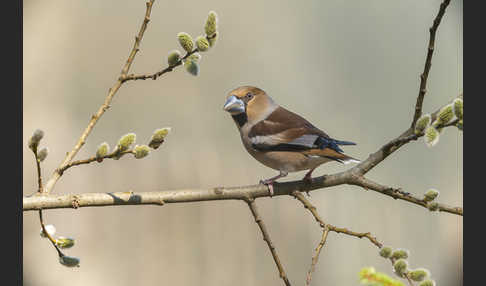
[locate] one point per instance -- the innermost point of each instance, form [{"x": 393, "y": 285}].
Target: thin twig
[
  {"x": 327, "y": 228},
  {"x": 39, "y": 175},
  {"x": 39, "y": 180},
  {"x": 399, "y": 194},
  {"x": 428, "y": 62},
  {"x": 156, "y": 75},
  {"x": 51, "y": 239},
  {"x": 315, "y": 257},
  {"x": 403, "y": 140},
  {"x": 94, "y": 158},
  {"x": 138, "y": 39},
  {"x": 331, "y": 227},
  {"x": 406, "y": 276},
  {"x": 251, "y": 203},
  {"x": 111, "y": 93},
  {"x": 159, "y": 73}
]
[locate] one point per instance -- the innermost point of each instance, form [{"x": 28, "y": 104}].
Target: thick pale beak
[{"x": 234, "y": 105}]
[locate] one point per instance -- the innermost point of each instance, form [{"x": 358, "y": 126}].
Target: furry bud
[
  {"x": 202, "y": 43},
  {"x": 400, "y": 253},
  {"x": 158, "y": 137},
  {"x": 192, "y": 67},
  {"x": 385, "y": 252},
  {"x": 431, "y": 136},
  {"x": 141, "y": 151},
  {"x": 35, "y": 138},
  {"x": 212, "y": 39},
  {"x": 400, "y": 267},
  {"x": 460, "y": 125},
  {"x": 126, "y": 141},
  {"x": 433, "y": 206},
  {"x": 174, "y": 57},
  {"x": 211, "y": 25},
  {"x": 196, "y": 57},
  {"x": 102, "y": 151},
  {"x": 422, "y": 123},
  {"x": 65, "y": 242},
  {"x": 459, "y": 108},
  {"x": 186, "y": 42},
  {"x": 430, "y": 195},
  {"x": 69, "y": 261},
  {"x": 42, "y": 154},
  {"x": 118, "y": 154},
  {"x": 419, "y": 274},
  {"x": 445, "y": 115}
]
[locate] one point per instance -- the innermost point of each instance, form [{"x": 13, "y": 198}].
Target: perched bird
[{"x": 279, "y": 138}]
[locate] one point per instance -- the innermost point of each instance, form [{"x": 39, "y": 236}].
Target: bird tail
[
  {"x": 347, "y": 159},
  {"x": 326, "y": 142},
  {"x": 339, "y": 142}
]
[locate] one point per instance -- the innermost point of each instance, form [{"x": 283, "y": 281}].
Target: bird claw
[
  {"x": 269, "y": 184},
  {"x": 307, "y": 180}
]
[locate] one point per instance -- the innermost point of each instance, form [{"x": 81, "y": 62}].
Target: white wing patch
[
  {"x": 275, "y": 139},
  {"x": 267, "y": 140}
]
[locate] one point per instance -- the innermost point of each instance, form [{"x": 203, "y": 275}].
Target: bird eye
[{"x": 249, "y": 95}]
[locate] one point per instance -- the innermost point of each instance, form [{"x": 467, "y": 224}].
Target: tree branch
[
  {"x": 399, "y": 194},
  {"x": 326, "y": 228},
  {"x": 329, "y": 227},
  {"x": 111, "y": 93},
  {"x": 94, "y": 158},
  {"x": 138, "y": 39},
  {"x": 352, "y": 176},
  {"x": 44, "y": 201},
  {"x": 51, "y": 239},
  {"x": 266, "y": 237},
  {"x": 313, "y": 210},
  {"x": 37, "y": 163},
  {"x": 428, "y": 62},
  {"x": 159, "y": 73},
  {"x": 315, "y": 257},
  {"x": 156, "y": 75}
]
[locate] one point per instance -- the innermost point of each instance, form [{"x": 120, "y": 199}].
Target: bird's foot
[
  {"x": 308, "y": 180},
  {"x": 269, "y": 184},
  {"x": 308, "y": 177}
]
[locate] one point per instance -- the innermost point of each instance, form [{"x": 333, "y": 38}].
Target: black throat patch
[{"x": 240, "y": 119}]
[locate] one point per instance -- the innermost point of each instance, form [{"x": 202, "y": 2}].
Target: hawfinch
[{"x": 278, "y": 138}]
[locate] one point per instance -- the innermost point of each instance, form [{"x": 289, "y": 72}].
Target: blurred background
[{"x": 350, "y": 67}]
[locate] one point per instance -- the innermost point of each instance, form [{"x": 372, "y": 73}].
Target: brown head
[{"x": 250, "y": 102}]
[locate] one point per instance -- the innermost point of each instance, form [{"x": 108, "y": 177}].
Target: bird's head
[{"x": 249, "y": 101}]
